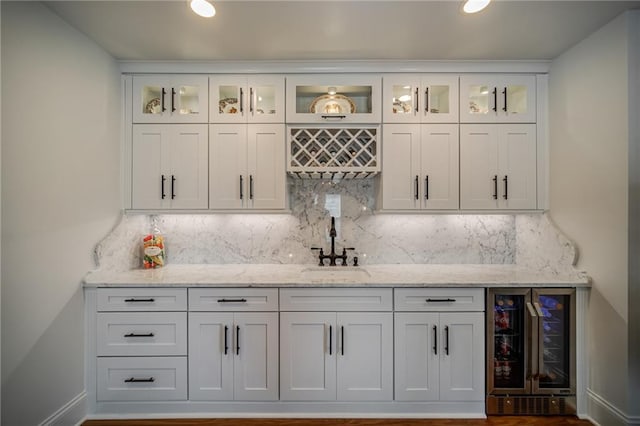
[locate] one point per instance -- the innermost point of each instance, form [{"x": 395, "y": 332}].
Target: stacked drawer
[{"x": 141, "y": 344}]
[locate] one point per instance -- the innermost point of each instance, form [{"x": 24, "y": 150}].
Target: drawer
[
  {"x": 439, "y": 299},
  {"x": 233, "y": 299},
  {"x": 142, "y": 379},
  {"x": 336, "y": 299},
  {"x": 141, "y": 333},
  {"x": 142, "y": 299}
]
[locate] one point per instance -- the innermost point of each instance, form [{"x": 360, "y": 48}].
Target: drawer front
[
  {"x": 142, "y": 333},
  {"x": 439, "y": 299},
  {"x": 142, "y": 379},
  {"x": 336, "y": 299},
  {"x": 233, "y": 299},
  {"x": 142, "y": 299}
]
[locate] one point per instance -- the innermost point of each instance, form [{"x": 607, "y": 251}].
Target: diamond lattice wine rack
[{"x": 333, "y": 153}]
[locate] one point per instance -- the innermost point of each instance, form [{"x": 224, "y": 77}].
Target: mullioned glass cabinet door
[{"x": 170, "y": 99}]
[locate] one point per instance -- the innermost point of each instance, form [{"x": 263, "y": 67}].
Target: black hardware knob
[{"x": 355, "y": 260}]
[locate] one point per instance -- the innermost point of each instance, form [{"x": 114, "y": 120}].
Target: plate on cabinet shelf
[
  {"x": 332, "y": 104},
  {"x": 153, "y": 106},
  {"x": 400, "y": 107},
  {"x": 228, "y": 106}
]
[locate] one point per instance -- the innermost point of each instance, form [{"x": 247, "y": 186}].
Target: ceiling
[{"x": 338, "y": 29}]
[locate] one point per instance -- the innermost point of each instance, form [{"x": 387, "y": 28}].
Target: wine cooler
[{"x": 531, "y": 366}]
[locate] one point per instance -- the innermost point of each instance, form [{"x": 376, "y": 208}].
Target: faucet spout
[{"x": 333, "y": 255}]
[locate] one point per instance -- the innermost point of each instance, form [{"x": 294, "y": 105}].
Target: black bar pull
[
  {"x": 251, "y": 187},
  {"x": 226, "y": 341},
  {"x": 504, "y": 108},
  {"x": 342, "y": 339},
  {"x": 446, "y": 341},
  {"x": 495, "y": 187},
  {"x": 426, "y": 187},
  {"x": 506, "y": 187},
  {"x": 162, "y": 186},
  {"x": 435, "y": 340},
  {"x": 440, "y": 300},
  {"x": 132, "y": 300},
  {"x": 241, "y": 185},
  {"x": 173, "y": 187},
  {"x": 495, "y": 99},
  {"x": 135, "y": 380},
  {"x": 241, "y": 101},
  {"x": 164, "y": 93},
  {"x": 417, "y": 196},
  {"x": 416, "y": 101},
  {"x": 139, "y": 335},
  {"x": 327, "y": 117},
  {"x": 237, "y": 340},
  {"x": 330, "y": 340},
  {"x": 173, "y": 99},
  {"x": 426, "y": 100},
  {"x": 251, "y": 100},
  {"x": 243, "y": 300}
]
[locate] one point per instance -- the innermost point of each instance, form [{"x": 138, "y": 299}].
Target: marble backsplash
[{"x": 529, "y": 240}]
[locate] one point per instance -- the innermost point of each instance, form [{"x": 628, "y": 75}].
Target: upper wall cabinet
[
  {"x": 411, "y": 98},
  {"x": 247, "y": 99},
  {"x": 330, "y": 98},
  {"x": 170, "y": 99},
  {"x": 487, "y": 98}
]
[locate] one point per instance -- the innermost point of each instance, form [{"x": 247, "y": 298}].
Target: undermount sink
[{"x": 335, "y": 272}]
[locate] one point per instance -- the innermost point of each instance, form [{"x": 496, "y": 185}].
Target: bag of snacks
[{"x": 153, "y": 249}]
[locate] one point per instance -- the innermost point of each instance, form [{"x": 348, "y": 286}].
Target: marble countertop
[{"x": 296, "y": 275}]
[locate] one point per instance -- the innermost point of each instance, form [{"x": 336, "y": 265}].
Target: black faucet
[{"x": 333, "y": 255}]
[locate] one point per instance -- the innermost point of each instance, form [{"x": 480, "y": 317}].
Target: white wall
[
  {"x": 60, "y": 195},
  {"x": 589, "y": 143}
]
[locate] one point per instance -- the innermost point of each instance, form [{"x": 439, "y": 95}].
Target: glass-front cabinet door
[
  {"x": 242, "y": 99},
  {"x": 426, "y": 98},
  {"x": 498, "y": 98},
  {"x": 174, "y": 99},
  {"x": 556, "y": 341},
  {"x": 333, "y": 99},
  {"x": 508, "y": 324}
]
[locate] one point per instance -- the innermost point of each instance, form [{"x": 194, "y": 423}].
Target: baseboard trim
[
  {"x": 602, "y": 412},
  {"x": 73, "y": 413}
]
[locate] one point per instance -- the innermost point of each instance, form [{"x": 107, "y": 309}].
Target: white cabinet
[
  {"x": 420, "y": 168},
  {"x": 488, "y": 98},
  {"x": 246, "y": 99},
  {"x": 498, "y": 166},
  {"x": 420, "y": 98},
  {"x": 169, "y": 166},
  {"x": 170, "y": 99},
  {"x": 247, "y": 166},
  {"x": 439, "y": 349},
  {"x": 332, "y": 98},
  {"x": 328, "y": 355}
]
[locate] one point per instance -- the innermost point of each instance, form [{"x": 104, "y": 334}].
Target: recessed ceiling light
[
  {"x": 473, "y": 6},
  {"x": 203, "y": 8}
]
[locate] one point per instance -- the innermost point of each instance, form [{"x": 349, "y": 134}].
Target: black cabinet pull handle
[
  {"x": 504, "y": 108},
  {"x": 139, "y": 335},
  {"x": 435, "y": 340},
  {"x": 241, "y": 185},
  {"x": 495, "y": 99},
  {"x": 241, "y": 101},
  {"x": 426, "y": 100},
  {"x": 328, "y": 117},
  {"x": 251, "y": 100},
  {"x": 506, "y": 187},
  {"x": 173, "y": 187},
  {"x": 446, "y": 342},
  {"x": 135, "y": 380},
  {"x": 495, "y": 187},
  {"x": 251, "y": 187},
  {"x": 416, "y": 101},
  {"x": 342, "y": 339},
  {"x": 330, "y": 340},
  {"x": 164, "y": 93},
  {"x": 139, "y": 300},
  {"x": 426, "y": 187},
  {"x": 417, "y": 196},
  {"x": 243, "y": 300},
  {"x": 226, "y": 341},
  {"x": 441, "y": 300},
  {"x": 173, "y": 99},
  {"x": 162, "y": 186},
  {"x": 238, "y": 340}
]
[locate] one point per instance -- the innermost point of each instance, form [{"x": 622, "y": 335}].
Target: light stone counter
[{"x": 296, "y": 275}]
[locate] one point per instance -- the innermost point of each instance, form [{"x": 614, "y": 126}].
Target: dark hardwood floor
[{"x": 491, "y": 421}]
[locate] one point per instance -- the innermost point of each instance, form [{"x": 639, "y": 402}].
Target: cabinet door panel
[
  {"x": 151, "y": 103},
  {"x": 227, "y": 99},
  {"x": 228, "y": 178},
  {"x": 150, "y": 147},
  {"x": 307, "y": 356},
  {"x": 478, "y": 166},
  {"x": 256, "y": 356},
  {"x": 439, "y": 102},
  {"x": 267, "y": 179},
  {"x": 266, "y": 99},
  {"x": 462, "y": 361},
  {"x": 517, "y": 98},
  {"x": 400, "y": 98},
  {"x": 416, "y": 356},
  {"x": 518, "y": 163},
  {"x": 400, "y": 179},
  {"x": 210, "y": 356},
  {"x": 365, "y": 356},
  {"x": 187, "y": 187},
  {"x": 439, "y": 166}
]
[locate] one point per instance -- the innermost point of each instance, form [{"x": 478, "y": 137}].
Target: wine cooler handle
[
  {"x": 531, "y": 310},
  {"x": 538, "y": 309}
]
